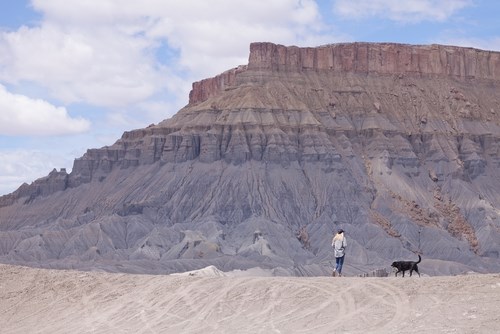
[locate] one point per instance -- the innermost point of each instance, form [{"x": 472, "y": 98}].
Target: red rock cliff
[{"x": 363, "y": 58}]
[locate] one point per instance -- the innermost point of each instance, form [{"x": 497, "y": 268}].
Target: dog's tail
[{"x": 419, "y": 259}]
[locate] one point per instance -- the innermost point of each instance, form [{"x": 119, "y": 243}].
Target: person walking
[{"x": 339, "y": 244}]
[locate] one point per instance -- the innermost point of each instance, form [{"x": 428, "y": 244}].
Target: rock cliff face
[
  {"x": 397, "y": 144},
  {"x": 436, "y": 61}
]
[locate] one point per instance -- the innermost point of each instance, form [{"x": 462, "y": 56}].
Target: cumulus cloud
[
  {"x": 217, "y": 36},
  {"x": 109, "y": 53},
  {"x": 100, "y": 67},
  {"x": 20, "y": 115},
  {"x": 402, "y": 11}
]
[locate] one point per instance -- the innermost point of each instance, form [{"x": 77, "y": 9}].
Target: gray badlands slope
[{"x": 397, "y": 144}]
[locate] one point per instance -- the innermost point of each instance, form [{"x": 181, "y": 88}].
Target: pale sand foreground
[{"x": 50, "y": 301}]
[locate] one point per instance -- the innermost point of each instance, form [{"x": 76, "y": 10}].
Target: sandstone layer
[{"x": 397, "y": 144}]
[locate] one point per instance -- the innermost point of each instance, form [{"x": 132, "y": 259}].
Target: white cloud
[
  {"x": 216, "y": 35},
  {"x": 20, "y": 115},
  {"x": 402, "y": 11},
  {"x": 95, "y": 66},
  {"x": 104, "y": 52}
]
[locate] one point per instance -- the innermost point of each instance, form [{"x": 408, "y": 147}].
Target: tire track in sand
[{"x": 360, "y": 305}]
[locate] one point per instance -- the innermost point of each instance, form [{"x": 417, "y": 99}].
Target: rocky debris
[
  {"x": 303, "y": 237},
  {"x": 384, "y": 223},
  {"x": 376, "y": 273},
  {"x": 397, "y": 144},
  {"x": 457, "y": 224}
]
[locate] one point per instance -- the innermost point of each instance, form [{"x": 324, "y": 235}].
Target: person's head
[{"x": 340, "y": 231}]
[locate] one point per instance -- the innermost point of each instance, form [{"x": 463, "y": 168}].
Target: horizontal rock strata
[{"x": 397, "y": 144}]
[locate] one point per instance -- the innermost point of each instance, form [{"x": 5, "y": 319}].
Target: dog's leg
[{"x": 414, "y": 268}]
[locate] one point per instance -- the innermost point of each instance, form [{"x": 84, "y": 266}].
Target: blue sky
[{"x": 77, "y": 74}]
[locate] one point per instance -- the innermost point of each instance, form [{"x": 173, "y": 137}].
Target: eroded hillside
[{"x": 397, "y": 144}]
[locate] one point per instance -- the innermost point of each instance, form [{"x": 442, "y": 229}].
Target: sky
[{"x": 75, "y": 74}]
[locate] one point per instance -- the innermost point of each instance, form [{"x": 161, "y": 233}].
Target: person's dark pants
[{"x": 339, "y": 261}]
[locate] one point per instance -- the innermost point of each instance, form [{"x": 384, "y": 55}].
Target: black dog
[{"x": 403, "y": 266}]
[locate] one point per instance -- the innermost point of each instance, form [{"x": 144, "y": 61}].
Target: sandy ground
[{"x": 207, "y": 301}]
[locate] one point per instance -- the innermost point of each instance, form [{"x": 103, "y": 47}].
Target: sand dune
[{"x": 210, "y": 301}]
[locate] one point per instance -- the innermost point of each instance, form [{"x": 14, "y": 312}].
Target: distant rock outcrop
[{"x": 397, "y": 144}]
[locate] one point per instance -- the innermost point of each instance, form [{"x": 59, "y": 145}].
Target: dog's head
[{"x": 395, "y": 266}]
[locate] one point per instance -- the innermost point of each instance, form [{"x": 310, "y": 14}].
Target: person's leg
[
  {"x": 334, "y": 273},
  {"x": 338, "y": 267},
  {"x": 340, "y": 263}
]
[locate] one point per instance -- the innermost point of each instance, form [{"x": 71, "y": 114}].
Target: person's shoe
[{"x": 334, "y": 273}]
